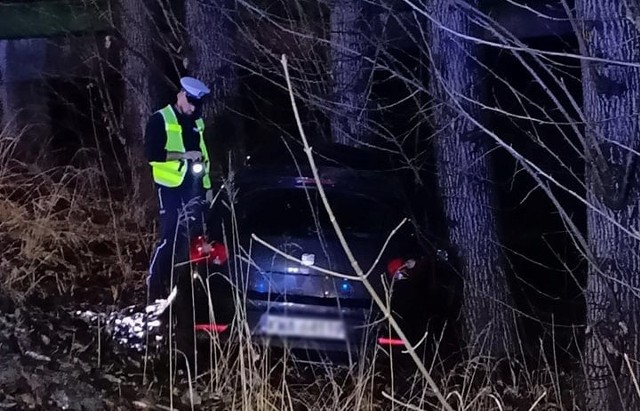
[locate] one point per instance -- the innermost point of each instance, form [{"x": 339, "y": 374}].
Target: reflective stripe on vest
[{"x": 171, "y": 173}]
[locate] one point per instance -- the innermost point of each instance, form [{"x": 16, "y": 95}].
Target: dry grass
[
  {"x": 50, "y": 245},
  {"x": 58, "y": 239},
  {"x": 246, "y": 377},
  {"x": 61, "y": 235}
]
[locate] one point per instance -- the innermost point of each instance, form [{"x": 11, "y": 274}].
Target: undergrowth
[
  {"x": 253, "y": 379},
  {"x": 62, "y": 236}
]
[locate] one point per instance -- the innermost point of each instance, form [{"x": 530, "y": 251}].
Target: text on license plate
[{"x": 284, "y": 326}]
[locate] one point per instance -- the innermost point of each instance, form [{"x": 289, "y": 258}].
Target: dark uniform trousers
[{"x": 181, "y": 219}]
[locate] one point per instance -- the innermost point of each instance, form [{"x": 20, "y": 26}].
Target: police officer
[{"x": 176, "y": 150}]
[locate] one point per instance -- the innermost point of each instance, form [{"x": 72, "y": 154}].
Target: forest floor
[
  {"x": 64, "y": 252},
  {"x": 69, "y": 260}
]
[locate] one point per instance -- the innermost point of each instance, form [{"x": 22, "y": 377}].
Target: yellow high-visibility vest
[{"x": 171, "y": 173}]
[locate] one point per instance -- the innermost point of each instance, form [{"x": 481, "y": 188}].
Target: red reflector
[
  {"x": 201, "y": 250},
  {"x": 216, "y": 328},
  {"x": 218, "y": 253},
  {"x": 197, "y": 251},
  {"x": 390, "y": 341}
]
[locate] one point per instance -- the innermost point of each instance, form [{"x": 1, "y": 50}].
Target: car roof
[{"x": 377, "y": 185}]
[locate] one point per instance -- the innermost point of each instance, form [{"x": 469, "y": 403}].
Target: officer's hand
[
  {"x": 192, "y": 155},
  {"x": 209, "y": 196}
]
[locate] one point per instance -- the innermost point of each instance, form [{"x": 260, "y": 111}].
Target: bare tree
[
  {"x": 610, "y": 90},
  {"x": 135, "y": 22},
  {"x": 351, "y": 49},
  {"x": 136, "y": 28},
  {"x": 465, "y": 179},
  {"x": 211, "y": 30}
]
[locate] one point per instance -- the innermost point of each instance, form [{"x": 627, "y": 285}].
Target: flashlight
[{"x": 197, "y": 167}]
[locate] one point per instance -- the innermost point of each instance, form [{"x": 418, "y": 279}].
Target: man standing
[{"x": 176, "y": 151}]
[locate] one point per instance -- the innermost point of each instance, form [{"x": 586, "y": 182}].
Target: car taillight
[
  {"x": 201, "y": 250},
  {"x": 397, "y": 268},
  {"x": 394, "y": 266}
]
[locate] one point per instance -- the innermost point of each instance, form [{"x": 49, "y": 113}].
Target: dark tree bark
[
  {"x": 136, "y": 28},
  {"x": 137, "y": 32},
  {"x": 211, "y": 29},
  {"x": 611, "y": 109},
  {"x": 23, "y": 96},
  {"x": 351, "y": 47},
  {"x": 466, "y": 184}
]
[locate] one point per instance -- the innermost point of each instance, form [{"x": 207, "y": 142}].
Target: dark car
[{"x": 288, "y": 276}]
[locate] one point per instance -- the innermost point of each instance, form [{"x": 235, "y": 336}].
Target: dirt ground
[
  {"x": 62, "y": 358},
  {"x": 64, "y": 254}
]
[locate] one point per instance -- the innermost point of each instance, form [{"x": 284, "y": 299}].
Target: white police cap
[{"x": 194, "y": 87}]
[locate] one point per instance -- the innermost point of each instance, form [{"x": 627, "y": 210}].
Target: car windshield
[{"x": 301, "y": 212}]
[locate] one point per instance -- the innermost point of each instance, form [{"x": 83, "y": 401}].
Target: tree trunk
[
  {"x": 137, "y": 31},
  {"x": 23, "y": 96},
  {"x": 211, "y": 29},
  {"x": 351, "y": 46},
  {"x": 465, "y": 182},
  {"x": 611, "y": 106}
]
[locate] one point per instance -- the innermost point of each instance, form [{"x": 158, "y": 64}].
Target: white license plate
[{"x": 284, "y": 326}]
